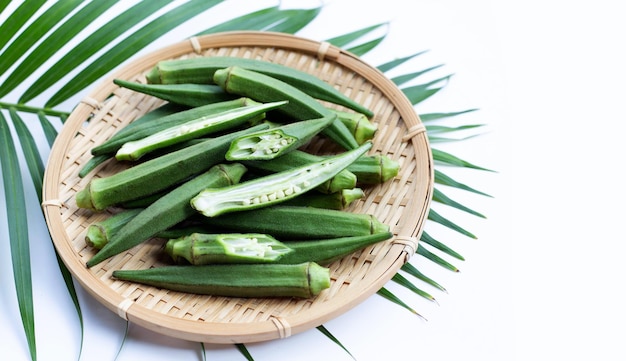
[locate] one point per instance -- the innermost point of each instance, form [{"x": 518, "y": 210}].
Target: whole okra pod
[
  {"x": 303, "y": 280},
  {"x": 167, "y": 211},
  {"x": 192, "y": 95},
  {"x": 157, "y": 174},
  {"x": 301, "y": 106},
  {"x": 201, "y": 70}
]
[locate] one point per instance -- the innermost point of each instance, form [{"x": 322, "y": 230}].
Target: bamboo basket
[{"x": 402, "y": 203}]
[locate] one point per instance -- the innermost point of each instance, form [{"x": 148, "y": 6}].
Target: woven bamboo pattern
[{"x": 402, "y": 203}]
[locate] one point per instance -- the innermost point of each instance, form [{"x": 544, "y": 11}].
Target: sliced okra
[{"x": 274, "y": 188}]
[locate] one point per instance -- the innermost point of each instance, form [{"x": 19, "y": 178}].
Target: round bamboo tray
[{"x": 402, "y": 203}]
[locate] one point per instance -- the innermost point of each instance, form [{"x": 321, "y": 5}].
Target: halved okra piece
[
  {"x": 296, "y": 222},
  {"x": 162, "y": 120},
  {"x": 203, "y": 124},
  {"x": 167, "y": 211},
  {"x": 304, "y": 280},
  {"x": 301, "y": 106},
  {"x": 274, "y": 188},
  {"x": 274, "y": 142},
  {"x": 201, "y": 70},
  {"x": 202, "y": 248},
  {"x": 157, "y": 174},
  {"x": 198, "y": 249},
  {"x": 192, "y": 95}
]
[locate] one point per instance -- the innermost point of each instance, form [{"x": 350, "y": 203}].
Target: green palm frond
[{"x": 48, "y": 49}]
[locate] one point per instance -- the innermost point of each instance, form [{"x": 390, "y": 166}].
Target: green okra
[
  {"x": 374, "y": 169},
  {"x": 358, "y": 124},
  {"x": 337, "y": 200},
  {"x": 192, "y": 95},
  {"x": 99, "y": 233},
  {"x": 201, "y": 70},
  {"x": 301, "y": 106},
  {"x": 296, "y": 222},
  {"x": 203, "y": 124},
  {"x": 158, "y": 174},
  {"x": 276, "y": 141},
  {"x": 304, "y": 280},
  {"x": 167, "y": 211},
  {"x": 296, "y": 158},
  {"x": 274, "y": 188},
  {"x": 197, "y": 249},
  {"x": 202, "y": 248},
  {"x": 145, "y": 128}
]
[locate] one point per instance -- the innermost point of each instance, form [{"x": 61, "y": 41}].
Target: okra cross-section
[
  {"x": 275, "y": 188},
  {"x": 201, "y": 248}
]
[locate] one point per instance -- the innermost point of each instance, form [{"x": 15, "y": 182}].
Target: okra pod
[
  {"x": 295, "y": 222},
  {"x": 157, "y": 174},
  {"x": 203, "y": 124},
  {"x": 192, "y": 95},
  {"x": 99, "y": 233},
  {"x": 167, "y": 211},
  {"x": 197, "y": 248},
  {"x": 374, "y": 169},
  {"x": 202, "y": 248},
  {"x": 201, "y": 70},
  {"x": 303, "y": 280},
  {"x": 358, "y": 124},
  {"x": 274, "y": 142},
  {"x": 274, "y": 188},
  {"x": 338, "y": 200},
  {"x": 145, "y": 128},
  {"x": 302, "y": 106}
]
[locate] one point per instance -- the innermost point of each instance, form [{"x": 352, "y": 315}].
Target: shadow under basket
[{"x": 402, "y": 202}]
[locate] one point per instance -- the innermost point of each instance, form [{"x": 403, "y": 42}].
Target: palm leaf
[
  {"x": 362, "y": 49},
  {"x": 435, "y": 116},
  {"x": 413, "y": 271},
  {"x": 449, "y": 159},
  {"x": 244, "y": 351},
  {"x": 17, "y": 19},
  {"x": 18, "y": 232},
  {"x": 405, "y": 78},
  {"x": 421, "y": 92},
  {"x": 327, "y": 333},
  {"x": 36, "y": 31},
  {"x": 395, "y": 299},
  {"x": 442, "y": 178},
  {"x": 388, "y": 66},
  {"x": 403, "y": 281},
  {"x": 93, "y": 43},
  {"x": 439, "y": 196},
  {"x": 436, "y": 217},
  {"x": 428, "y": 239},
  {"x": 344, "y": 40},
  {"x": 422, "y": 251},
  {"x": 128, "y": 47}
]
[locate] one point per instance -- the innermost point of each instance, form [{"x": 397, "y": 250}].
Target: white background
[{"x": 543, "y": 281}]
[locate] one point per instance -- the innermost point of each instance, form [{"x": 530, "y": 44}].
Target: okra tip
[
  {"x": 154, "y": 75},
  {"x": 83, "y": 198}
]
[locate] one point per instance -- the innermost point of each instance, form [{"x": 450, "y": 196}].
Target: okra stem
[
  {"x": 274, "y": 188},
  {"x": 303, "y": 280},
  {"x": 99, "y": 233},
  {"x": 167, "y": 211}
]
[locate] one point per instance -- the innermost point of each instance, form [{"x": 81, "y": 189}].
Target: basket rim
[{"x": 232, "y": 332}]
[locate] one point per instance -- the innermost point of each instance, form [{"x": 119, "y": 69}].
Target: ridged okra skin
[
  {"x": 305, "y": 280},
  {"x": 337, "y": 200},
  {"x": 167, "y": 211},
  {"x": 296, "y": 223},
  {"x": 275, "y": 188},
  {"x": 301, "y": 106},
  {"x": 201, "y": 70},
  {"x": 157, "y": 174},
  {"x": 192, "y": 95}
]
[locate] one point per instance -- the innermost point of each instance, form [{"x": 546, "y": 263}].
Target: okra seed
[
  {"x": 280, "y": 194},
  {"x": 264, "y": 198},
  {"x": 272, "y": 197},
  {"x": 289, "y": 191},
  {"x": 297, "y": 189}
]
